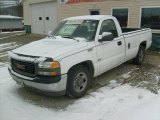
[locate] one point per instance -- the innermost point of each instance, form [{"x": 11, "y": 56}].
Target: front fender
[{"x": 68, "y": 62}]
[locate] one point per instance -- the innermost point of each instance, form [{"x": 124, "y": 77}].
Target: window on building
[
  {"x": 94, "y": 12},
  {"x": 150, "y": 18},
  {"x": 121, "y": 15}
]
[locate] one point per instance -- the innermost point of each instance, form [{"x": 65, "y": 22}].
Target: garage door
[{"x": 43, "y": 17}]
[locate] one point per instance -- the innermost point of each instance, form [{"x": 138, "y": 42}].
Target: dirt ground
[{"x": 147, "y": 75}]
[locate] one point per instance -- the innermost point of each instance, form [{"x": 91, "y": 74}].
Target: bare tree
[{"x": 19, "y": 5}]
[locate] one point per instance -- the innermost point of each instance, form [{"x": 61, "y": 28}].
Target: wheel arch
[
  {"x": 88, "y": 64},
  {"x": 144, "y": 44}
]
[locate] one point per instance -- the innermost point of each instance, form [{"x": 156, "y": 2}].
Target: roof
[
  {"x": 89, "y": 17},
  {"x": 9, "y": 17}
]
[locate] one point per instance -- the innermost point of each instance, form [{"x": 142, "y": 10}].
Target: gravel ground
[{"x": 146, "y": 75}]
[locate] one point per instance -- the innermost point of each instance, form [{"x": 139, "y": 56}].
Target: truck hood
[{"x": 50, "y": 47}]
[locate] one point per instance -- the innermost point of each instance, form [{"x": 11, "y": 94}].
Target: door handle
[{"x": 119, "y": 43}]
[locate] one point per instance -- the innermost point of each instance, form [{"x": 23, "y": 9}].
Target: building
[
  {"x": 40, "y": 16},
  {"x": 12, "y": 10},
  {"x": 130, "y": 13},
  {"x": 10, "y": 23}
]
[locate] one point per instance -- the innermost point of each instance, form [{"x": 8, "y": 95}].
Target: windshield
[{"x": 77, "y": 29}]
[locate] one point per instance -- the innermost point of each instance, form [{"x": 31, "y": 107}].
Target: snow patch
[
  {"x": 11, "y": 36},
  {"x": 121, "y": 103},
  {"x": 127, "y": 75},
  {"x": 3, "y": 55},
  {"x": 113, "y": 84},
  {"x": 158, "y": 79},
  {"x": 24, "y": 58},
  {"x": 9, "y": 17},
  {"x": 7, "y": 46},
  {"x": 12, "y": 32},
  {"x": 3, "y": 64},
  {"x": 140, "y": 96}
]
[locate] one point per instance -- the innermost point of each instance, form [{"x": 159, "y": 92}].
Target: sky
[{"x": 7, "y": 3}]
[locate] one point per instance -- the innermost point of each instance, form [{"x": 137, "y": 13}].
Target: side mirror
[{"x": 106, "y": 36}]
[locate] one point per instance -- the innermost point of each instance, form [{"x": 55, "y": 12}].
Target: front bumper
[{"x": 52, "y": 86}]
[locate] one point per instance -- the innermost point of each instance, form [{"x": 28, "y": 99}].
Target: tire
[
  {"x": 79, "y": 79},
  {"x": 138, "y": 60}
]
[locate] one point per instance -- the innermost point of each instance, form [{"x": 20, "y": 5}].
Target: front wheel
[
  {"x": 138, "y": 60},
  {"x": 78, "y": 82}
]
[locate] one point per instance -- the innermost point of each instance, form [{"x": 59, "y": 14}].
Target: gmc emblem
[{"x": 20, "y": 66}]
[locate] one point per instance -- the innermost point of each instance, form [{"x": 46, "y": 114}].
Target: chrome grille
[{"x": 23, "y": 67}]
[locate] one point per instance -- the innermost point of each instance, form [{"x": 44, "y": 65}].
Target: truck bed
[
  {"x": 133, "y": 38},
  {"x": 133, "y": 30}
]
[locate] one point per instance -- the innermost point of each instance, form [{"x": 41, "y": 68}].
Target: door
[
  {"x": 110, "y": 53},
  {"x": 37, "y": 19},
  {"x": 43, "y": 17},
  {"x": 50, "y": 16}
]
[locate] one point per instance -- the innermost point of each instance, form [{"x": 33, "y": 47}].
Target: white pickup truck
[{"x": 79, "y": 49}]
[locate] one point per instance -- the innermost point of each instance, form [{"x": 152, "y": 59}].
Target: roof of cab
[{"x": 89, "y": 17}]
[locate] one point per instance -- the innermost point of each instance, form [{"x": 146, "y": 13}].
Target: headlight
[
  {"x": 53, "y": 64},
  {"x": 49, "y": 68}
]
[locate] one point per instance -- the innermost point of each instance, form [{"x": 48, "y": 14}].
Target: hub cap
[{"x": 80, "y": 82}]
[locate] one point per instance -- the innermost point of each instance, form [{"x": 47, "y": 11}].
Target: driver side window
[{"x": 109, "y": 26}]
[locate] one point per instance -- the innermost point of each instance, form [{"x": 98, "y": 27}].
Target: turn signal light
[
  {"x": 55, "y": 64},
  {"x": 53, "y": 73}
]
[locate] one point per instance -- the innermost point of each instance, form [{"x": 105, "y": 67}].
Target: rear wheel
[
  {"x": 138, "y": 60},
  {"x": 78, "y": 82}
]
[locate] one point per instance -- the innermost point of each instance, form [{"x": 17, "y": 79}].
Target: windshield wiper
[{"x": 70, "y": 38}]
